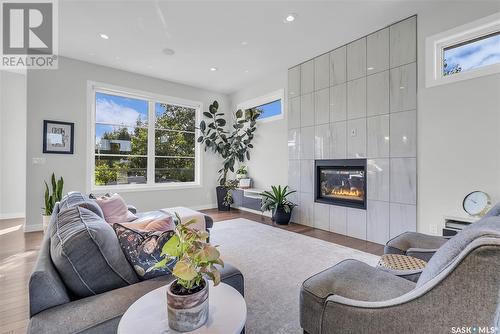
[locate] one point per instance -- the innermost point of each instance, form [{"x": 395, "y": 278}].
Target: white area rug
[{"x": 274, "y": 263}]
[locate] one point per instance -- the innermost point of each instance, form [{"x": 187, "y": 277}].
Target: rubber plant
[
  {"x": 52, "y": 198},
  {"x": 231, "y": 145}
]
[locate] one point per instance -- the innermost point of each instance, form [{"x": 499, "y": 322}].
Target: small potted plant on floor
[
  {"x": 276, "y": 201},
  {"x": 187, "y": 296},
  {"x": 231, "y": 145},
  {"x": 51, "y": 199}
]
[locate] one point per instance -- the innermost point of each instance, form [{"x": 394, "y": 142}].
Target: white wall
[
  {"x": 458, "y": 127},
  {"x": 458, "y": 137},
  {"x": 268, "y": 162},
  {"x": 12, "y": 144},
  {"x": 62, "y": 95}
]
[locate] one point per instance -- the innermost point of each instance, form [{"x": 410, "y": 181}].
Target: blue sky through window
[
  {"x": 270, "y": 109},
  {"x": 472, "y": 55},
  {"x": 119, "y": 111}
]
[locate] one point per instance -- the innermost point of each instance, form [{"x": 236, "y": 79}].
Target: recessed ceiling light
[
  {"x": 168, "y": 52},
  {"x": 213, "y": 69},
  {"x": 244, "y": 43},
  {"x": 246, "y": 71},
  {"x": 290, "y": 18},
  {"x": 370, "y": 68},
  {"x": 104, "y": 36}
]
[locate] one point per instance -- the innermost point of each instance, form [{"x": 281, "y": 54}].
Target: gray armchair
[
  {"x": 460, "y": 286},
  {"x": 423, "y": 246}
]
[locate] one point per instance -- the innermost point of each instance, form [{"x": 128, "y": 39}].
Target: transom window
[
  {"x": 465, "y": 52},
  {"x": 141, "y": 140},
  {"x": 270, "y": 106}
]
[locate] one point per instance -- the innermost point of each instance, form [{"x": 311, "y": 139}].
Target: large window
[
  {"x": 142, "y": 140},
  {"x": 465, "y": 52}
]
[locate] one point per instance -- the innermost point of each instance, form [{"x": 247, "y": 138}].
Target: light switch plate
[
  {"x": 353, "y": 132},
  {"x": 38, "y": 161}
]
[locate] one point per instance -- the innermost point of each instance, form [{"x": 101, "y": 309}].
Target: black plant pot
[
  {"x": 221, "y": 194},
  {"x": 282, "y": 217}
]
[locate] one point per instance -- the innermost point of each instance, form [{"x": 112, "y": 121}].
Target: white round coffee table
[{"x": 148, "y": 314}]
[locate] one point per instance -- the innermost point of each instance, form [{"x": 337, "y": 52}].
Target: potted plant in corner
[
  {"x": 232, "y": 146},
  {"x": 187, "y": 296},
  {"x": 276, "y": 201},
  {"x": 51, "y": 199}
]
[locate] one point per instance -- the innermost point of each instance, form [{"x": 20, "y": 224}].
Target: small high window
[
  {"x": 269, "y": 106},
  {"x": 465, "y": 52}
]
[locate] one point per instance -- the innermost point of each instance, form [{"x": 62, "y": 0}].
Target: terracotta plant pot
[{"x": 187, "y": 312}]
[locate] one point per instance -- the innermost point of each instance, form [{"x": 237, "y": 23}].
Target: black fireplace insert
[{"x": 341, "y": 182}]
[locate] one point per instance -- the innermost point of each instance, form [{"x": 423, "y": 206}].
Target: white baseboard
[
  {"x": 33, "y": 228},
  {"x": 266, "y": 213},
  {"x": 12, "y": 215}
]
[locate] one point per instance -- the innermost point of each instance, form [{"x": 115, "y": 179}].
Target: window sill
[{"x": 145, "y": 187}]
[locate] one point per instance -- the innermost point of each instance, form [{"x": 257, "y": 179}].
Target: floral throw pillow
[{"x": 142, "y": 250}]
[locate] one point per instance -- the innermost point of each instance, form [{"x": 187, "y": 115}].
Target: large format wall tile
[
  {"x": 307, "y": 142},
  {"x": 338, "y": 66},
  {"x": 403, "y": 88},
  {"x": 306, "y": 209},
  {"x": 378, "y": 222},
  {"x": 307, "y": 110},
  {"x": 338, "y": 144},
  {"x": 294, "y": 174},
  {"x": 338, "y": 103},
  {"x": 322, "y": 142},
  {"x": 378, "y": 175},
  {"x": 294, "y": 81},
  {"x": 306, "y": 176},
  {"x": 403, "y": 42},
  {"x": 377, "y": 51},
  {"x": 404, "y": 134},
  {"x": 322, "y": 106},
  {"x": 403, "y": 219},
  {"x": 356, "y": 223},
  {"x": 404, "y": 180},
  {"x": 356, "y": 98},
  {"x": 322, "y": 216},
  {"x": 294, "y": 113},
  {"x": 338, "y": 219},
  {"x": 295, "y": 198},
  {"x": 322, "y": 71},
  {"x": 377, "y": 139},
  {"x": 307, "y": 77},
  {"x": 356, "y": 59},
  {"x": 377, "y": 94},
  {"x": 294, "y": 144},
  {"x": 356, "y": 138}
]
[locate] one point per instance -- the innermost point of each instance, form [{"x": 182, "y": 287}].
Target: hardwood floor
[{"x": 18, "y": 251}]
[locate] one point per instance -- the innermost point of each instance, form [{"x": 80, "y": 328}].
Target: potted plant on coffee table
[
  {"x": 187, "y": 295},
  {"x": 232, "y": 146},
  {"x": 276, "y": 201},
  {"x": 51, "y": 199}
]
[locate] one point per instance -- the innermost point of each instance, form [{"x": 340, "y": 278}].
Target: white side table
[{"x": 148, "y": 314}]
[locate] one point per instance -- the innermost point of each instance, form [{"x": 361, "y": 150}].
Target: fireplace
[{"x": 341, "y": 182}]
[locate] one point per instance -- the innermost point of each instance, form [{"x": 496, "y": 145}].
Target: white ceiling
[{"x": 209, "y": 33}]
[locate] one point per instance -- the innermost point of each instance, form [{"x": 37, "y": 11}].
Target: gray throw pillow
[
  {"x": 76, "y": 198},
  {"x": 87, "y": 254}
]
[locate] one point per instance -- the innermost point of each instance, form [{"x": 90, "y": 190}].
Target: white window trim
[
  {"x": 258, "y": 101},
  {"x": 434, "y": 46},
  {"x": 92, "y": 88}
]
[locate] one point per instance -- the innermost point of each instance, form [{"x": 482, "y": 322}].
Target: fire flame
[{"x": 353, "y": 192}]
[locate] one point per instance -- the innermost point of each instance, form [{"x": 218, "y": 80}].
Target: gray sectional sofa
[{"x": 73, "y": 302}]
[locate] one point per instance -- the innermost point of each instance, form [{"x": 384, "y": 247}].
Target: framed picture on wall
[{"x": 58, "y": 137}]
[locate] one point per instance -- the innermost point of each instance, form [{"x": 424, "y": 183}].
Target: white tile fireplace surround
[{"x": 358, "y": 101}]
